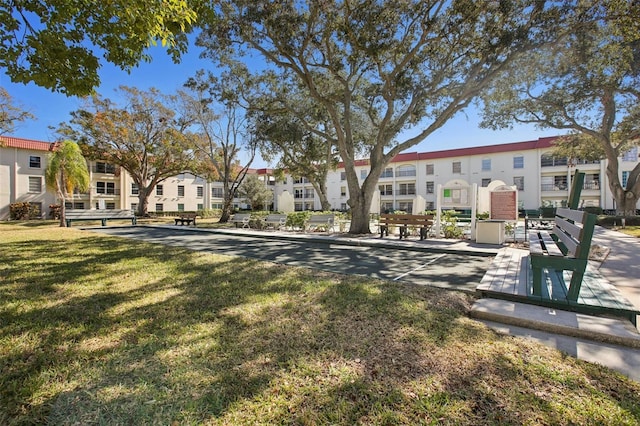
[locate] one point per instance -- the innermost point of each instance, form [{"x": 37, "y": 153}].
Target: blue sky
[{"x": 50, "y": 109}]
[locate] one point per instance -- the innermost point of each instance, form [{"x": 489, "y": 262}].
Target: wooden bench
[
  {"x": 403, "y": 221},
  {"x": 564, "y": 248},
  {"x": 321, "y": 221},
  {"x": 72, "y": 215},
  {"x": 241, "y": 219},
  {"x": 275, "y": 221},
  {"x": 186, "y": 218}
]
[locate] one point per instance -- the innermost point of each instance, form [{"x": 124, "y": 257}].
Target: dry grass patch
[{"x": 95, "y": 329}]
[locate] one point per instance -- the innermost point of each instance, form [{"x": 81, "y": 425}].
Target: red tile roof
[{"x": 31, "y": 144}]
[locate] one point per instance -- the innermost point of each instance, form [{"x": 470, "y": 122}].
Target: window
[
  {"x": 386, "y": 189},
  {"x": 343, "y": 176},
  {"x": 486, "y": 182},
  {"x": 75, "y": 206},
  {"x": 298, "y": 193},
  {"x": 486, "y": 165},
  {"x": 343, "y": 191},
  {"x": 631, "y": 155},
  {"x": 430, "y": 187},
  {"x": 518, "y": 181},
  {"x": 159, "y": 207},
  {"x": 309, "y": 193},
  {"x": 456, "y": 167},
  {"x": 430, "y": 169},
  {"x": 217, "y": 192},
  {"x": 200, "y": 206},
  {"x": 518, "y": 162},
  {"x": 547, "y": 160},
  {"x": 363, "y": 174},
  {"x": 134, "y": 189},
  {"x": 388, "y": 172},
  {"x": 386, "y": 207},
  {"x": 134, "y": 206},
  {"x": 405, "y": 206},
  {"x": 110, "y": 206},
  {"x": 406, "y": 170},
  {"x": 35, "y": 184},
  {"x": 407, "y": 189},
  {"x": 180, "y": 190},
  {"x": 105, "y": 188},
  {"x": 199, "y": 192},
  {"x": 180, "y": 207},
  {"x": 159, "y": 190},
  {"x": 625, "y": 178},
  {"x": 35, "y": 162},
  {"x": 430, "y": 205},
  {"x": 105, "y": 168}
]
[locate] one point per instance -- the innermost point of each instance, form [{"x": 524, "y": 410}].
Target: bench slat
[
  {"x": 575, "y": 215},
  {"x": 572, "y": 244},
  {"x": 551, "y": 247}
]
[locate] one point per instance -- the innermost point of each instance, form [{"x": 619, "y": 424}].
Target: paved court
[{"x": 459, "y": 271}]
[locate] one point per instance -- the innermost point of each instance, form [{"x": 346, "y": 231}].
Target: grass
[
  {"x": 100, "y": 330},
  {"x": 631, "y": 230}
]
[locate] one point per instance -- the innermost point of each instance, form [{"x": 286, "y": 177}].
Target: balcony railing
[{"x": 553, "y": 187}]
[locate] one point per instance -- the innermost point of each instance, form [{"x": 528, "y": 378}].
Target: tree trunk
[
  {"x": 226, "y": 210},
  {"x": 63, "y": 210},
  {"x": 143, "y": 201},
  {"x": 360, "y": 206}
]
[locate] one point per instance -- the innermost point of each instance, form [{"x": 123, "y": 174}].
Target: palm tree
[{"x": 67, "y": 171}]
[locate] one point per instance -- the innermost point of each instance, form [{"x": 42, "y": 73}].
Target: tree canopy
[
  {"x": 221, "y": 133},
  {"x": 589, "y": 84},
  {"x": 58, "y": 44},
  {"x": 410, "y": 67},
  {"x": 10, "y": 113},
  {"x": 145, "y": 137}
]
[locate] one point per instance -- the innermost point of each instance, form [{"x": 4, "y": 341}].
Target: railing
[
  {"x": 114, "y": 192},
  {"x": 554, "y": 187}
]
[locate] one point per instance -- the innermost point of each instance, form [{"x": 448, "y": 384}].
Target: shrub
[
  {"x": 54, "y": 211},
  {"x": 23, "y": 211}
]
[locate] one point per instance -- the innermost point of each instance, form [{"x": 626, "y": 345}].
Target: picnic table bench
[
  {"x": 186, "y": 218},
  {"x": 72, "y": 215},
  {"x": 241, "y": 219},
  {"x": 321, "y": 221},
  {"x": 275, "y": 221},
  {"x": 403, "y": 221},
  {"x": 565, "y": 247}
]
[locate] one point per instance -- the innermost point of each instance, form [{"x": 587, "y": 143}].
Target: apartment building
[{"x": 541, "y": 180}]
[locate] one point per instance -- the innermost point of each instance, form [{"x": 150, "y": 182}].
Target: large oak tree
[
  {"x": 144, "y": 136},
  {"x": 588, "y": 84},
  {"x": 408, "y": 66}
]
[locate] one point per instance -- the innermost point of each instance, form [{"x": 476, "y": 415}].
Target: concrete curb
[
  {"x": 588, "y": 327},
  {"x": 432, "y": 246}
]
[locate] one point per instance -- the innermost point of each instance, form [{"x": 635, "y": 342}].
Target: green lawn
[{"x": 99, "y": 330}]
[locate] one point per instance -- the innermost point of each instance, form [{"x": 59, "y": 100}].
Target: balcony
[{"x": 553, "y": 187}]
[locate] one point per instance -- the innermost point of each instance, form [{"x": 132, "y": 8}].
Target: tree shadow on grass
[{"x": 170, "y": 335}]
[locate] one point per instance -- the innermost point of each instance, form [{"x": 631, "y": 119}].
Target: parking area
[{"x": 459, "y": 271}]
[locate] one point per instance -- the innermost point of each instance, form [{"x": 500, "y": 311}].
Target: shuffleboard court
[{"x": 459, "y": 271}]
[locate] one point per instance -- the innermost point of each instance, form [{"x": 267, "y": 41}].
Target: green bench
[
  {"x": 566, "y": 247},
  {"x": 103, "y": 216}
]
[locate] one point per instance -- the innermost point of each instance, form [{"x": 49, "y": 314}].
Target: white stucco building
[{"x": 541, "y": 180}]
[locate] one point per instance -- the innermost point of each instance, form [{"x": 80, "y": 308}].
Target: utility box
[{"x": 490, "y": 232}]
